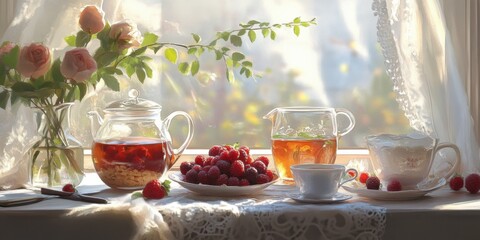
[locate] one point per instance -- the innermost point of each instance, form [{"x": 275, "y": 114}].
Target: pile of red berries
[{"x": 227, "y": 165}]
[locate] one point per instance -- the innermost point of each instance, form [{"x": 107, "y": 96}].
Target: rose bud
[
  {"x": 126, "y": 34},
  {"x": 6, "y": 48},
  {"x": 78, "y": 65},
  {"x": 34, "y": 60},
  {"x": 92, "y": 19}
]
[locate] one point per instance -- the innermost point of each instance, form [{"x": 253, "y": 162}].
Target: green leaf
[
  {"x": 196, "y": 37},
  {"x": 273, "y": 35},
  {"x": 111, "y": 82},
  {"x": 106, "y": 58},
  {"x": 129, "y": 69},
  {"x": 225, "y": 35},
  {"x": 218, "y": 55},
  {"x": 265, "y": 32},
  {"x": 296, "y": 30},
  {"x": 195, "y": 67},
  {"x": 3, "y": 75},
  {"x": 56, "y": 74},
  {"x": 140, "y": 74},
  {"x": 252, "y": 35},
  {"x": 242, "y": 70},
  {"x": 236, "y": 40},
  {"x": 147, "y": 69},
  {"x": 71, "y": 40},
  {"x": 184, "y": 68},
  {"x": 10, "y": 59},
  {"x": 248, "y": 73},
  {"x": 252, "y": 22},
  {"x": 82, "y": 39},
  {"x": 297, "y": 20},
  {"x": 138, "y": 52},
  {"x": 247, "y": 64},
  {"x": 264, "y": 24},
  {"x": 148, "y": 39},
  {"x": 277, "y": 25},
  {"x": 192, "y": 51},
  {"x": 230, "y": 75},
  {"x": 4, "y": 96},
  {"x": 83, "y": 90},
  {"x": 22, "y": 87},
  {"x": 241, "y": 32},
  {"x": 236, "y": 56},
  {"x": 171, "y": 55},
  {"x": 213, "y": 43},
  {"x": 305, "y": 24}
]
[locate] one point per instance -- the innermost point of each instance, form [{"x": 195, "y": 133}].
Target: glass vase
[{"x": 57, "y": 158}]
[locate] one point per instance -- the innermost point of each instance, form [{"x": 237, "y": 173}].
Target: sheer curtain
[{"x": 417, "y": 49}]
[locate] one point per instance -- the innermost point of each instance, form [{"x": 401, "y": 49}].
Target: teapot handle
[
  {"x": 351, "y": 118},
  {"x": 178, "y": 151}
]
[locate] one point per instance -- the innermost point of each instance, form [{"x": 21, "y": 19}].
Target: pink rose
[
  {"x": 91, "y": 19},
  {"x": 78, "y": 65},
  {"x": 6, "y": 48},
  {"x": 34, "y": 60},
  {"x": 126, "y": 34}
]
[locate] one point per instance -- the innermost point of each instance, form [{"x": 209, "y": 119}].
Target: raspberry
[
  {"x": 203, "y": 177},
  {"x": 197, "y": 167},
  {"x": 244, "y": 182},
  {"x": 472, "y": 183},
  {"x": 233, "y": 181},
  {"x": 213, "y": 174},
  {"x": 269, "y": 173},
  {"x": 224, "y": 166},
  {"x": 215, "y": 160},
  {"x": 249, "y": 160},
  {"x": 208, "y": 161},
  {"x": 373, "y": 183},
  {"x": 233, "y": 155},
  {"x": 191, "y": 176},
  {"x": 224, "y": 155},
  {"x": 242, "y": 155},
  {"x": 260, "y": 166},
  {"x": 68, "y": 188},
  {"x": 237, "y": 169},
  {"x": 263, "y": 159},
  {"x": 206, "y": 168},
  {"x": 222, "y": 179},
  {"x": 200, "y": 160},
  {"x": 394, "y": 185},
  {"x": 228, "y": 147},
  {"x": 214, "y": 150},
  {"x": 363, "y": 177},
  {"x": 244, "y": 148},
  {"x": 262, "y": 178},
  {"x": 251, "y": 174},
  {"x": 156, "y": 190},
  {"x": 456, "y": 182},
  {"x": 185, "y": 167}
]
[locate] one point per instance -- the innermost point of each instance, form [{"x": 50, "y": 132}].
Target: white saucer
[
  {"x": 382, "y": 194},
  {"x": 339, "y": 197}
]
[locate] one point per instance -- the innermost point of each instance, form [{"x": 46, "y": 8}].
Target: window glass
[{"x": 337, "y": 63}]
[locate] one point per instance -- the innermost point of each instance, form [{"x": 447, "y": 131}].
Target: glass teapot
[
  {"x": 305, "y": 135},
  {"x": 132, "y": 144}
]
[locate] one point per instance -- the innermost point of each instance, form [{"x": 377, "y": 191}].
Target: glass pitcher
[
  {"x": 132, "y": 144},
  {"x": 305, "y": 135}
]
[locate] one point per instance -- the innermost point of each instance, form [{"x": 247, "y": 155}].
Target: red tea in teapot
[
  {"x": 288, "y": 152},
  {"x": 131, "y": 162}
]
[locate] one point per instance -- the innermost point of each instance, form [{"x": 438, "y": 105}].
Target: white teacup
[
  {"x": 320, "y": 181},
  {"x": 406, "y": 158}
]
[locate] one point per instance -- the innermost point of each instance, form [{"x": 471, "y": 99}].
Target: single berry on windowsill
[
  {"x": 456, "y": 182},
  {"x": 472, "y": 183}
]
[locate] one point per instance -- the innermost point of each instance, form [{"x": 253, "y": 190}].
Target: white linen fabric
[
  {"x": 271, "y": 214},
  {"x": 419, "y": 60}
]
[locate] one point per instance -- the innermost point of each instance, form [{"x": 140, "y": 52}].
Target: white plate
[
  {"x": 382, "y": 194},
  {"x": 220, "y": 191},
  {"x": 339, "y": 197}
]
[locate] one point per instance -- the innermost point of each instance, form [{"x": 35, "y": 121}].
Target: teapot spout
[{"x": 95, "y": 121}]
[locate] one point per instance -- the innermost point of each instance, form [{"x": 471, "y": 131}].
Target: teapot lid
[{"x": 133, "y": 105}]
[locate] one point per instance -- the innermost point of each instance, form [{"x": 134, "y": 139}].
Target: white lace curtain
[{"x": 419, "y": 60}]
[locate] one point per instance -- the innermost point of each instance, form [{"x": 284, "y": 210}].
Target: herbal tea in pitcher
[
  {"x": 288, "y": 152},
  {"x": 305, "y": 135}
]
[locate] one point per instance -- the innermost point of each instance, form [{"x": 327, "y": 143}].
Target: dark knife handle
[{"x": 92, "y": 199}]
